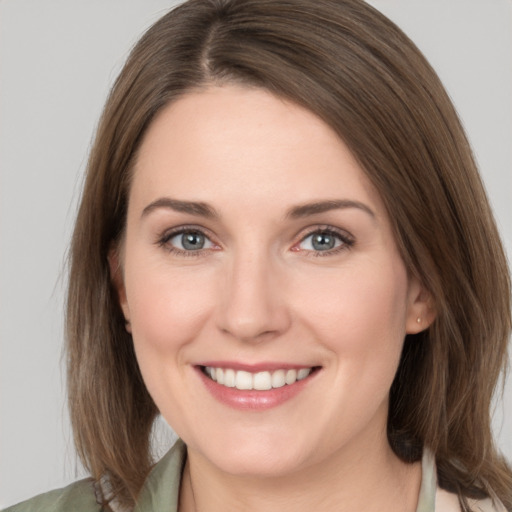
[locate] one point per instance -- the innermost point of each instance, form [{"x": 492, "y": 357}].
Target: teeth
[
  {"x": 260, "y": 381},
  {"x": 243, "y": 380},
  {"x": 278, "y": 379},
  {"x": 229, "y": 378},
  {"x": 291, "y": 376},
  {"x": 303, "y": 373}
]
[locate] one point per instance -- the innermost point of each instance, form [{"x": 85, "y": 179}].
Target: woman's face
[{"x": 257, "y": 251}]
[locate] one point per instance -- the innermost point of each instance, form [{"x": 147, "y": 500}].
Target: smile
[
  {"x": 258, "y": 381},
  {"x": 255, "y": 387}
]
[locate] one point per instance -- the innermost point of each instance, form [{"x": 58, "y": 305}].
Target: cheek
[
  {"x": 360, "y": 319},
  {"x": 168, "y": 307},
  {"x": 360, "y": 313},
  {"x": 168, "y": 310}
]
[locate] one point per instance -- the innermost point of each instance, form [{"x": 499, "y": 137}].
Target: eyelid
[
  {"x": 165, "y": 236},
  {"x": 348, "y": 240},
  {"x": 304, "y": 232}
]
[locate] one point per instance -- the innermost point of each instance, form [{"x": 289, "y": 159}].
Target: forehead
[{"x": 233, "y": 141}]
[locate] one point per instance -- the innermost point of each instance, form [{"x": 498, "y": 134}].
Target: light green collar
[
  {"x": 427, "y": 496},
  {"x": 161, "y": 489}
]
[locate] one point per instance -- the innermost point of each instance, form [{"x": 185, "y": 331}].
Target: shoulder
[
  {"x": 434, "y": 498},
  {"x": 449, "y": 502},
  {"x": 160, "y": 491},
  {"x": 487, "y": 505},
  {"x": 79, "y": 497}
]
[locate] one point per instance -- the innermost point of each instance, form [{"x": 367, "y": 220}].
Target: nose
[{"x": 252, "y": 303}]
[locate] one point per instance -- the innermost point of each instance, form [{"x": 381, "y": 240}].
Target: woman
[{"x": 278, "y": 249}]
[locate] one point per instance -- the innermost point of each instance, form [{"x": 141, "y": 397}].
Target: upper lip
[{"x": 256, "y": 367}]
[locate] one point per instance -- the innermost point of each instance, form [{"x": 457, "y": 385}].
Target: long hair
[{"x": 352, "y": 67}]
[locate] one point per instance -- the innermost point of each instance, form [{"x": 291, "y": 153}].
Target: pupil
[
  {"x": 192, "y": 241},
  {"x": 323, "y": 242}
]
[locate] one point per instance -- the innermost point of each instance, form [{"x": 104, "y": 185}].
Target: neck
[{"x": 373, "y": 479}]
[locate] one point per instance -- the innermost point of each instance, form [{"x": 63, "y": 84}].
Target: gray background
[{"x": 57, "y": 61}]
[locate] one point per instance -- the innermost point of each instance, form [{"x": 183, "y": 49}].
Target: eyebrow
[
  {"x": 191, "y": 207},
  {"x": 314, "y": 208},
  {"x": 201, "y": 209}
]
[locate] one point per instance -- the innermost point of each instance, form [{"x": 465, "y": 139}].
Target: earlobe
[{"x": 117, "y": 278}]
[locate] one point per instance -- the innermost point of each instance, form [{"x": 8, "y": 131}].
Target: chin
[
  {"x": 261, "y": 456},
  {"x": 259, "y": 465}
]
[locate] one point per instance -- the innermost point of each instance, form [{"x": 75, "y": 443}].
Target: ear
[
  {"x": 117, "y": 278},
  {"x": 420, "y": 307}
]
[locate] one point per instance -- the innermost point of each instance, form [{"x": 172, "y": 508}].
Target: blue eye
[
  {"x": 189, "y": 241},
  {"x": 325, "y": 241}
]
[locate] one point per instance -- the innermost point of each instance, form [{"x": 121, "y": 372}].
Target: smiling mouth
[{"x": 258, "y": 381}]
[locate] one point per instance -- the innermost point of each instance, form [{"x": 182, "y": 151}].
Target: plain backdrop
[{"x": 58, "y": 59}]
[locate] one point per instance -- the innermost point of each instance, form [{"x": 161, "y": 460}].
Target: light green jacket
[{"x": 160, "y": 492}]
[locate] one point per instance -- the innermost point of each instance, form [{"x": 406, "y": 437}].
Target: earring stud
[{"x": 418, "y": 320}]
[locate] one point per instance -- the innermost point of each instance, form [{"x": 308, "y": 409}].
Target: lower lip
[{"x": 251, "y": 399}]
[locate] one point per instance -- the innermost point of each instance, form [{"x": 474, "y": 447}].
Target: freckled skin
[{"x": 258, "y": 291}]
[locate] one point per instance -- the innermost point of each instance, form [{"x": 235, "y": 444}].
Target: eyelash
[
  {"x": 347, "y": 241},
  {"x": 163, "y": 241}
]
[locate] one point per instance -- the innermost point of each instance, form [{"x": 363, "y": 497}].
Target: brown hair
[{"x": 357, "y": 71}]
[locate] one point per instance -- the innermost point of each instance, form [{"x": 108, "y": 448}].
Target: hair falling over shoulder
[{"x": 351, "y": 66}]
